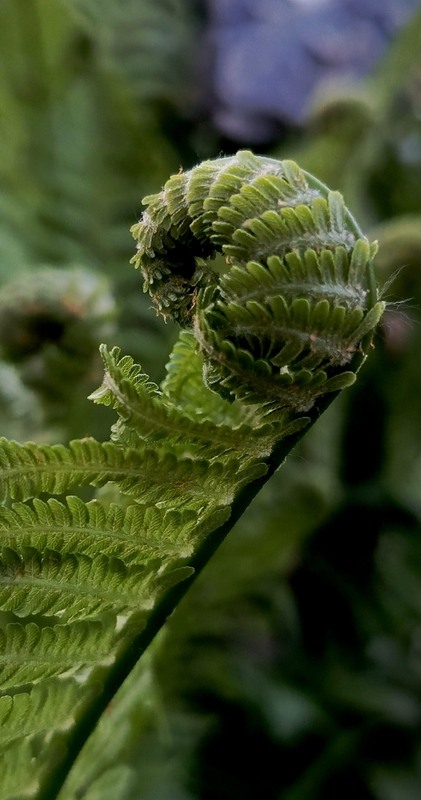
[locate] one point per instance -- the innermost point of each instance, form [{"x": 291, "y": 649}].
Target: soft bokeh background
[{"x": 292, "y": 669}]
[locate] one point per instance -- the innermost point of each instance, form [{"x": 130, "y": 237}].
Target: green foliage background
[{"x": 292, "y": 668}]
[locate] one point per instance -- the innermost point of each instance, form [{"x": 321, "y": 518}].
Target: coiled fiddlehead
[{"x": 293, "y": 315}]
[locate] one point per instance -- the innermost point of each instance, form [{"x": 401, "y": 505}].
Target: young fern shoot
[
  {"x": 288, "y": 321},
  {"x": 265, "y": 345}
]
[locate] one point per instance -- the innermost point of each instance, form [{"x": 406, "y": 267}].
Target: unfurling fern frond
[
  {"x": 147, "y": 414},
  {"x": 290, "y": 321}
]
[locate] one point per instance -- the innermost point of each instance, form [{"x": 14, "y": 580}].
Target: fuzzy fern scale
[{"x": 85, "y": 585}]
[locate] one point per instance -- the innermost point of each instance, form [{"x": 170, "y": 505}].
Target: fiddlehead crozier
[{"x": 293, "y": 315}]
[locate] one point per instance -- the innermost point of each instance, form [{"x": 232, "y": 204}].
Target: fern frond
[
  {"x": 30, "y": 469},
  {"x": 17, "y": 776},
  {"x": 136, "y": 534},
  {"x": 29, "y": 653},
  {"x": 42, "y": 708},
  {"x": 150, "y": 42},
  {"x": 72, "y": 586},
  {"x": 183, "y": 386},
  {"x": 33, "y": 727},
  {"x": 143, "y": 413},
  {"x": 292, "y": 318}
]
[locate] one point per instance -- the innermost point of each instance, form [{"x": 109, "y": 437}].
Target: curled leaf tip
[{"x": 293, "y": 315}]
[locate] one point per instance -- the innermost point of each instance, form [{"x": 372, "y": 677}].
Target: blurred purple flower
[{"x": 266, "y": 58}]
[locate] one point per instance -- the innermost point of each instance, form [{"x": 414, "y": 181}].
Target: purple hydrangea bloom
[{"x": 266, "y": 58}]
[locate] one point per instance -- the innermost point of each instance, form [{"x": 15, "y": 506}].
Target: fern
[
  {"x": 143, "y": 414},
  {"x": 269, "y": 219},
  {"x": 149, "y": 41},
  {"x": 29, "y": 650},
  {"x": 85, "y": 585},
  {"x": 65, "y": 101},
  {"x": 115, "y": 531}
]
